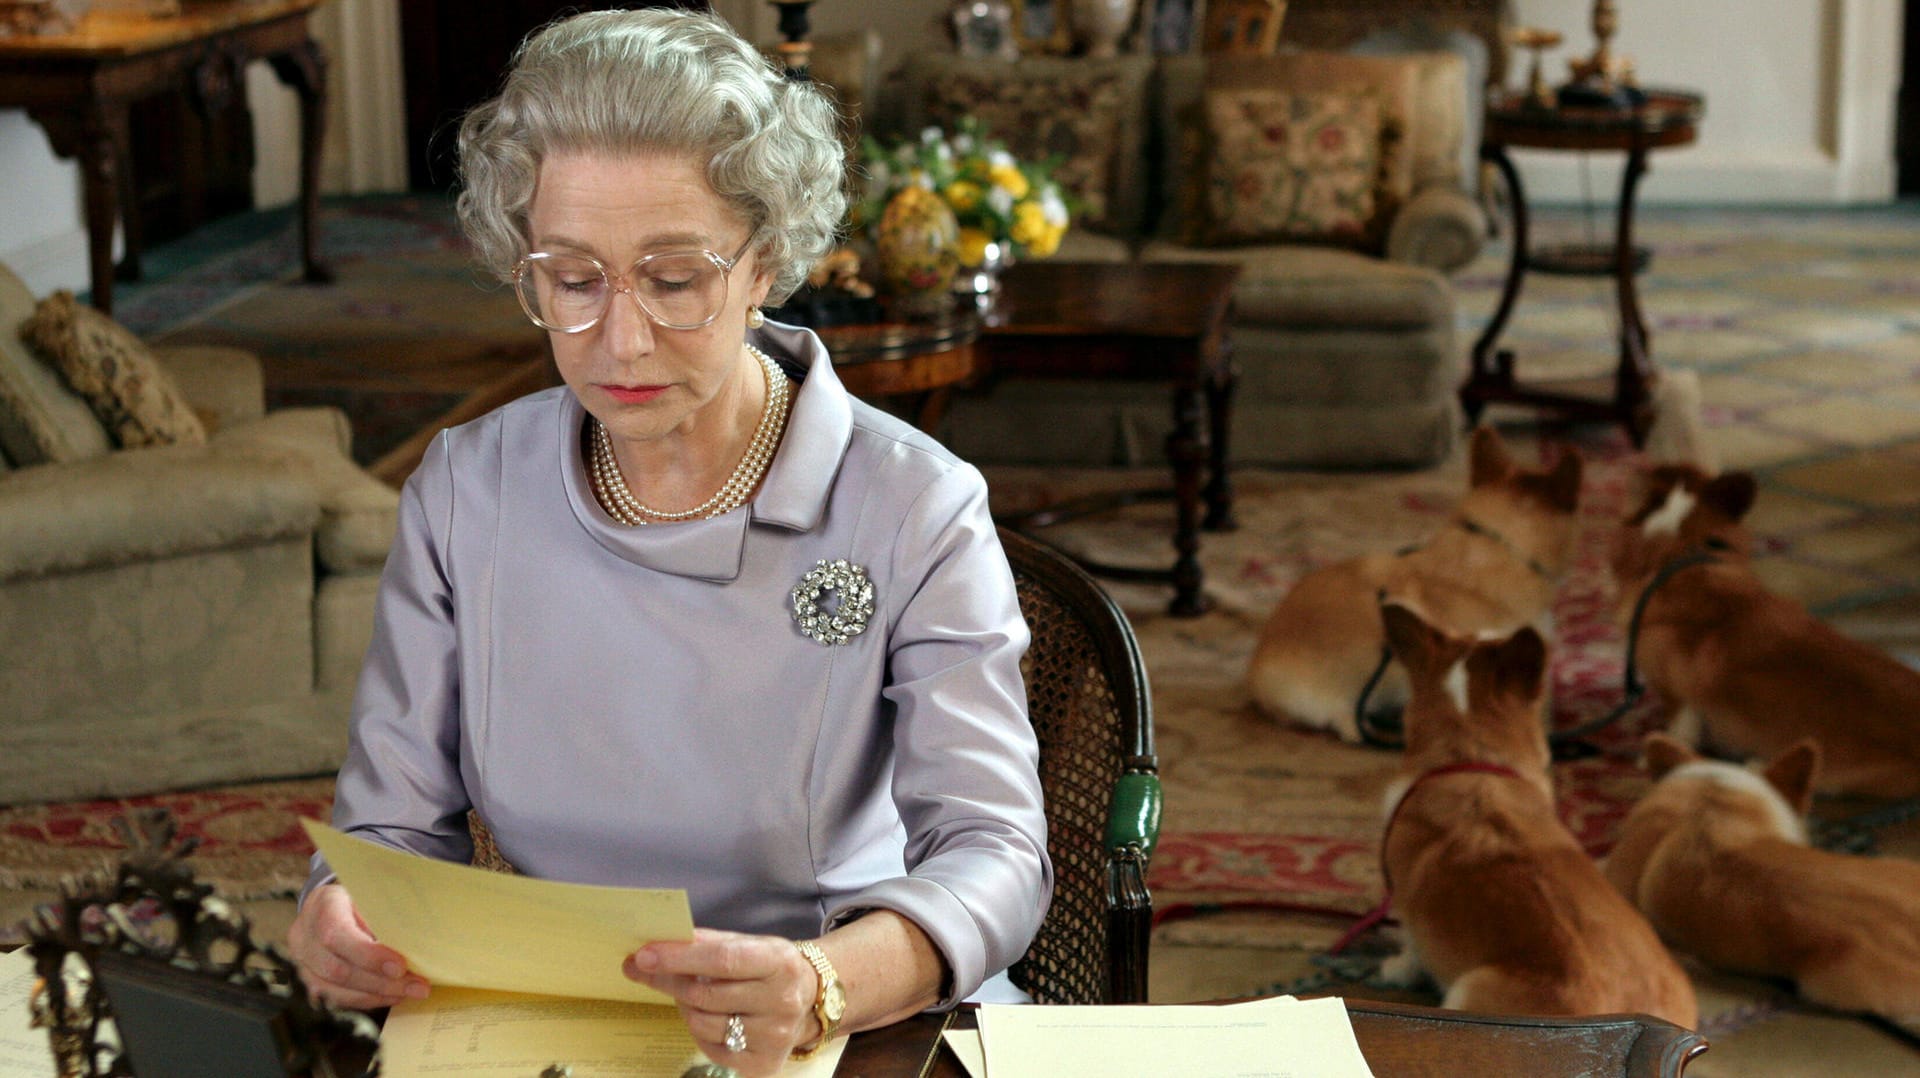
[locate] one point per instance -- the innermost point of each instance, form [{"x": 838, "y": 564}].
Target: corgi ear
[
  {"x": 1518, "y": 663},
  {"x": 1413, "y": 641},
  {"x": 1490, "y": 462},
  {"x": 1732, "y": 494},
  {"x": 1660, "y": 754},
  {"x": 1792, "y": 773},
  {"x": 1562, "y": 486}
]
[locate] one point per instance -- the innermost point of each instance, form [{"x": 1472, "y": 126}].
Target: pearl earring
[{"x": 755, "y": 319}]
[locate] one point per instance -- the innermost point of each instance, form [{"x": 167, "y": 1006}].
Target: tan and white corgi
[
  {"x": 1716, "y": 856},
  {"x": 1497, "y": 899},
  {"x": 1492, "y": 569},
  {"x": 1742, "y": 670}
]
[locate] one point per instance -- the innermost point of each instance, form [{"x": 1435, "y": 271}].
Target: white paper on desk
[
  {"x": 466, "y": 927},
  {"x": 1271, "y": 1038},
  {"x": 25, "y": 1052},
  {"x": 464, "y": 1031}
]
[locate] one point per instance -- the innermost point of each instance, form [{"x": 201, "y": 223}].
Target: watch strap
[{"x": 828, "y": 976}]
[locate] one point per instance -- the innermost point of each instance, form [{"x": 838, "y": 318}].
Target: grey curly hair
[{"x": 657, "y": 81}]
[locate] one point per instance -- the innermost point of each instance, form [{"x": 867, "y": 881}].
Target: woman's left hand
[{"x": 765, "y": 980}]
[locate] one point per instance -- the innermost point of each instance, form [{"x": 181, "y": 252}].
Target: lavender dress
[{"x": 638, "y": 706}]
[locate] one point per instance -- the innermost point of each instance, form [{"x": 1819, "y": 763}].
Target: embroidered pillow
[
  {"x": 1290, "y": 166},
  {"x": 135, "y": 398},
  {"x": 1076, "y": 119}
]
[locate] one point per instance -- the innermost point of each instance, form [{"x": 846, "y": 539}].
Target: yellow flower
[
  {"x": 1010, "y": 178},
  {"x": 1048, "y": 243},
  {"x": 1029, "y": 224},
  {"x": 963, "y": 195},
  {"x": 973, "y": 246}
]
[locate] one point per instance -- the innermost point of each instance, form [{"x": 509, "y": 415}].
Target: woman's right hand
[{"x": 340, "y": 961}]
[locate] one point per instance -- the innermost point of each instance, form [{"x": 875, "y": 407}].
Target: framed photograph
[
  {"x": 1174, "y": 25},
  {"x": 1041, "y": 26},
  {"x": 984, "y": 30}
]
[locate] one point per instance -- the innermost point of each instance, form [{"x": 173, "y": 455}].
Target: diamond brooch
[{"x": 849, "y": 618}]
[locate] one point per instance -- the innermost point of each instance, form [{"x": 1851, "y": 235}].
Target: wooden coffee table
[{"x": 1161, "y": 323}]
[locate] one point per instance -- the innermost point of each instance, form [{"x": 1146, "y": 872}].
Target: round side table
[
  {"x": 922, "y": 361},
  {"x": 1666, "y": 119}
]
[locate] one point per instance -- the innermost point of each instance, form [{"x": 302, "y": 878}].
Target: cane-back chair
[{"x": 1087, "y": 696}]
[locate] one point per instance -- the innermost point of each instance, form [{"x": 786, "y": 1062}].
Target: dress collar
[{"x": 793, "y": 494}]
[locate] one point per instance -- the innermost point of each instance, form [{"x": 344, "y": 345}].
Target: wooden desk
[
  {"x": 80, "y": 87},
  {"x": 1163, "y": 323},
  {"x": 1667, "y": 119},
  {"x": 1398, "y": 1041}
]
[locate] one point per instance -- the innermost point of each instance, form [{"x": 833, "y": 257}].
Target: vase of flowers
[{"x": 1005, "y": 208}]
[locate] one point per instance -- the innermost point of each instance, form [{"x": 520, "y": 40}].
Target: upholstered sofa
[
  {"x": 1346, "y": 343},
  {"x": 175, "y": 615}
]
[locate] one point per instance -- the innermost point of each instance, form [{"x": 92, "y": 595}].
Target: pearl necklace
[{"x": 610, "y": 487}]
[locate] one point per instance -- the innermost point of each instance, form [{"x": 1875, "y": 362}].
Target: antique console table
[
  {"x": 1666, "y": 119},
  {"x": 80, "y": 87}
]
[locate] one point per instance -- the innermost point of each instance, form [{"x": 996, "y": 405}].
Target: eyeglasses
[{"x": 570, "y": 293}]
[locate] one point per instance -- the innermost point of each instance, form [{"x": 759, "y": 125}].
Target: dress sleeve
[
  {"x": 966, "y": 778},
  {"x": 401, "y": 784}
]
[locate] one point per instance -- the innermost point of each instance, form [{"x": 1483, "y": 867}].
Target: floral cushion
[
  {"x": 1289, "y": 166},
  {"x": 1076, "y": 120},
  {"x": 135, "y": 398}
]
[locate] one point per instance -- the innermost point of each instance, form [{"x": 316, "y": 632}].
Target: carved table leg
[
  {"x": 304, "y": 68},
  {"x": 93, "y": 135},
  {"x": 1636, "y": 374},
  {"x": 1186, "y": 449},
  {"x": 1221, "y": 382},
  {"x": 1491, "y": 370}
]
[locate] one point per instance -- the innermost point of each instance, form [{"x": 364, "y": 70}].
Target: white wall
[
  {"x": 1800, "y": 108},
  {"x": 42, "y": 220},
  {"x": 1799, "y": 98}
]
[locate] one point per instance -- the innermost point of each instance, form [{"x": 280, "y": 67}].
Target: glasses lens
[
  {"x": 563, "y": 292},
  {"x": 683, "y": 290}
]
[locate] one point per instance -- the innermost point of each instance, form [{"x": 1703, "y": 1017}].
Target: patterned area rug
[{"x": 251, "y": 844}]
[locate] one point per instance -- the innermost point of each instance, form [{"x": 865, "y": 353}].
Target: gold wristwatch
[{"x": 829, "y": 1006}]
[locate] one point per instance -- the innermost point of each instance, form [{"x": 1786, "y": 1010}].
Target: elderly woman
[{"x": 697, "y": 619}]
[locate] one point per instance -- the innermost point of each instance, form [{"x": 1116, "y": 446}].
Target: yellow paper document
[
  {"x": 466, "y": 927},
  {"x": 25, "y": 1052},
  {"x": 1271, "y": 1038},
  {"x": 461, "y": 1031}
]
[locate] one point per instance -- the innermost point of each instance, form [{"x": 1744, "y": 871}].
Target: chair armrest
[
  {"x": 224, "y": 382},
  {"x": 1135, "y": 818},
  {"x": 1439, "y": 227},
  {"x": 144, "y": 505},
  {"x": 1129, "y": 926}
]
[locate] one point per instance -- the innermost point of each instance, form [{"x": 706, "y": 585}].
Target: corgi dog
[
  {"x": 1742, "y": 670},
  {"x": 1493, "y": 568},
  {"x": 1716, "y": 856},
  {"x": 1497, "y": 899}
]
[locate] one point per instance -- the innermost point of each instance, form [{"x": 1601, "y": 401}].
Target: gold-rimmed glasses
[{"x": 571, "y": 293}]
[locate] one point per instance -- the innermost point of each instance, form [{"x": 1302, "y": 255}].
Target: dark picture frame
[
  {"x": 1042, "y": 26},
  {"x": 1172, "y": 26}
]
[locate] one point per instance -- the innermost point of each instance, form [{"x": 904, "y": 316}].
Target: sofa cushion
[
  {"x": 1306, "y": 287},
  {"x": 41, "y": 420},
  {"x": 225, "y": 385},
  {"x": 1184, "y": 82},
  {"x": 127, "y": 388},
  {"x": 1090, "y": 114},
  {"x": 1282, "y": 165}
]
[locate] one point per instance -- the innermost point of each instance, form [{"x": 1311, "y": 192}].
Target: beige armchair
[{"x": 176, "y": 615}]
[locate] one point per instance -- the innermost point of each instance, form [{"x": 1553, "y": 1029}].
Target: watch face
[{"x": 834, "y": 1002}]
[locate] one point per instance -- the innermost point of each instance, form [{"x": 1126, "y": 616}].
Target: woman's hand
[
  {"x": 765, "y": 980},
  {"x": 340, "y": 961}
]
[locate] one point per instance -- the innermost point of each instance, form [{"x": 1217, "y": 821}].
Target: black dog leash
[{"x": 1569, "y": 743}]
